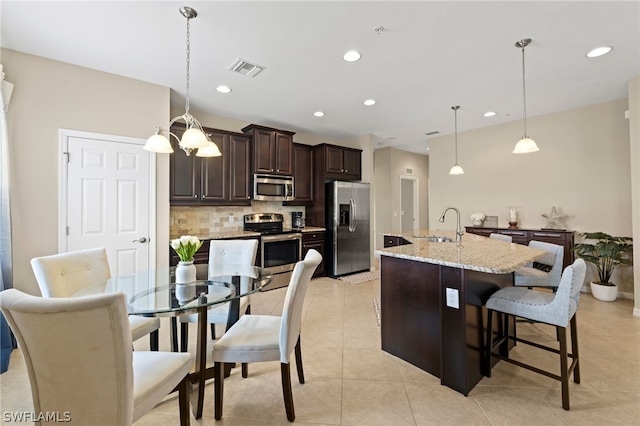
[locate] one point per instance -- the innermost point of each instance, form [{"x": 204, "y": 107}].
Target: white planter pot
[
  {"x": 606, "y": 293},
  {"x": 185, "y": 272}
]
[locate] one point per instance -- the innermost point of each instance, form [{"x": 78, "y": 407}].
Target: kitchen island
[{"x": 432, "y": 298}]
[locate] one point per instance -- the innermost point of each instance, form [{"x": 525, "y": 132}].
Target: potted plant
[{"x": 605, "y": 252}]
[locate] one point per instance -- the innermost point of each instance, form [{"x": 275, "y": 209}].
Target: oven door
[{"x": 279, "y": 255}]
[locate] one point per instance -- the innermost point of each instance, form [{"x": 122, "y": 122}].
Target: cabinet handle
[
  {"x": 342, "y": 170},
  {"x": 195, "y": 196}
]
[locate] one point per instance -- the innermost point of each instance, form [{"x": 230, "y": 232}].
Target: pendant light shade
[
  {"x": 526, "y": 144},
  {"x": 456, "y": 169},
  {"x": 194, "y": 137}
]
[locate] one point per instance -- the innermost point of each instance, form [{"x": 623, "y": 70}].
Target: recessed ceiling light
[
  {"x": 351, "y": 56},
  {"x": 599, "y": 51},
  {"x": 369, "y": 102},
  {"x": 319, "y": 114},
  {"x": 223, "y": 89},
  {"x": 489, "y": 114}
]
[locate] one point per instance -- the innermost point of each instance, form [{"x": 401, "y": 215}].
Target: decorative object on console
[
  {"x": 606, "y": 253},
  {"x": 477, "y": 219},
  {"x": 553, "y": 219},
  {"x": 526, "y": 144},
  {"x": 491, "y": 221},
  {"x": 512, "y": 217},
  {"x": 456, "y": 169},
  {"x": 194, "y": 137},
  {"x": 186, "y": 247}
]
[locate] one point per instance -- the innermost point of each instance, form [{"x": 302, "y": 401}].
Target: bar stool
[{"x": 557, "y": 309}]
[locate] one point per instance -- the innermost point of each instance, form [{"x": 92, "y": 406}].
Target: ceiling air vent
[
  {"x": 246, "y": 68},
  {"x": 432, "y": 133}
]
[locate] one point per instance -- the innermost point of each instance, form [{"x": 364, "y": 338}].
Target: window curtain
[{"x": 7, "y": 342}]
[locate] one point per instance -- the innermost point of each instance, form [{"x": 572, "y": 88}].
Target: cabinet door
[
  {"x": 215, "y": 173},
  {"x": 282, "y": 154},
  {"x": 351, "y": 161},
  {"x": 302, "y": 174},
  {"x": 263, "y": 150},
  {"x": 315, "y": 241},
  {"x": 333, "y": 160},
  {"x": 184, "y": 174},
  {"x": 240, "y": 175}
]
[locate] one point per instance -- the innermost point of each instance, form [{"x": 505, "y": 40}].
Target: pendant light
[
  {"x": 526, "y": 144},
  {"x": 456, "y": 169},
  {"x": 194, "y": 136}
]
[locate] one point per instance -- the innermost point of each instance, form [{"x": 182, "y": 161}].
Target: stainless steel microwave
[{"x": 273, "y": 188}]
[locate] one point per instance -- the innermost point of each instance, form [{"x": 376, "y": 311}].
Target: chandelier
[
  {"x": 194, "y": 136},
  {"x": 526, "y": 144}
]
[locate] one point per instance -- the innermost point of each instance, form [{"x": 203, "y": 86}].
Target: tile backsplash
[{"x": 204, "y": 220}]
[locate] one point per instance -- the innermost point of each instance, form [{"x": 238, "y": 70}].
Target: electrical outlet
[
  {"x": 452, "y": 298},
  {"x": 231, "y": 218}
]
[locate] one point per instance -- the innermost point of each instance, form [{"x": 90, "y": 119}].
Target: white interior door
[{"x": 106, "y": 198}]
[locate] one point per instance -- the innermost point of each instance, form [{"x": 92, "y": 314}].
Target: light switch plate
[{"x": 452, "y": 298}]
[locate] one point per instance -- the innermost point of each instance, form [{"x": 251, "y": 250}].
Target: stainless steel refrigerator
[{"x": 347, "y": 225}]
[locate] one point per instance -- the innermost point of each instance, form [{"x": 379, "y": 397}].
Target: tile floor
[{"x": 350, "y": 381}]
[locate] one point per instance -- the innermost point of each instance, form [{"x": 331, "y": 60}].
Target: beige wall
[
  {"x": 51, "y": 95},
  {"x": 582, "y": 169},
  {"x": 634, "y": 137},
  {"x": 389, "y": 165}
]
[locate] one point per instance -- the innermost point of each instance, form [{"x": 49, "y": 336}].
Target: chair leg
[
  {"x": 218, "y": 374},
  {"x": 245, "y": 370},
  {"x": 489, "y": 344},
  {"x": 574, "y": 349},
  {"x": 183, "y": 401},
  {"x": 184, "y": 336},
  {"x": 564, "y": 368},
  {"x": 154, "y": 340},
  {"x": 174, "y": 334},
  {"x": 213, "y": 331},
  {"x": 299, "y": 362},
  {"x": 286, "y": 391}
]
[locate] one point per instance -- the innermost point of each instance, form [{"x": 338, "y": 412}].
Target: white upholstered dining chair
[
  {"x": 258, "y": 338},
  {"x": 81, "y": 364},
  {"x": 501, "y": 237},
  {"x": 238, "y": 252},
  {"x": 64, "y": 274},
  {"x": 545, "y": 271}
]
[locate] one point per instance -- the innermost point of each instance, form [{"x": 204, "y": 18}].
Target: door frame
[
  {"x": 415, "y": 196},
  {"x": 63, "y": 174}
]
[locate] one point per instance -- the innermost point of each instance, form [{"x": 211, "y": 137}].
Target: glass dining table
[{"x": 154, "y": 293}]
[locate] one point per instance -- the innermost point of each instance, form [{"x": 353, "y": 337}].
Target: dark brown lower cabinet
[{"x": 315, "y": 240}]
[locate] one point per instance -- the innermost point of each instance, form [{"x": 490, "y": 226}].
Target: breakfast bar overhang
[{"x": 432, "y": 298}]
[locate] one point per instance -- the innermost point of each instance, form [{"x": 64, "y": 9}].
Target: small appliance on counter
[{"x": 297, "y": 221}]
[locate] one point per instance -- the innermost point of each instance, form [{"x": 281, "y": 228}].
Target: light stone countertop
[
  {"x": 312, "y": 229},
  {"x": 223, "y": 235},
  {"x": 475, "y": 252}
]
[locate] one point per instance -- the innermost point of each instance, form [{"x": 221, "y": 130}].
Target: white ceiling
[{"x": 429, "y": 57}]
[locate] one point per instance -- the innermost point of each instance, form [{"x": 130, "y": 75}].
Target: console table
[{"x": 523, "y": 236}]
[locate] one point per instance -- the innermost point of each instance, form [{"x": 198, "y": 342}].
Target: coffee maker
[{"x": 297, "y": 221}]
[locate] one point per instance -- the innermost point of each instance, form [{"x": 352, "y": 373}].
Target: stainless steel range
[{"x": 280, "y": 248}]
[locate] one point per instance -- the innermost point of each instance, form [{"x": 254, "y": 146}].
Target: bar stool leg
[{"x": 574, "y": 349}]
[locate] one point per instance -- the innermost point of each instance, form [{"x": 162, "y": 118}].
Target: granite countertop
[
  {"x": 223, "y": 235},
  {"x": 475, "y": 252},
  {"x": 312, "y": 229}
]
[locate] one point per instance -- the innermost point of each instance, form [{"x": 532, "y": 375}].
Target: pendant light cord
[
  {"x": 188, "y": 60},
  {"x": 524, "y": 97},
  {"x": 455, "y": 112}
]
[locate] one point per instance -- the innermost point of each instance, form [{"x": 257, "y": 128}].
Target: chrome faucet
[{"x": 458, "y": 228}]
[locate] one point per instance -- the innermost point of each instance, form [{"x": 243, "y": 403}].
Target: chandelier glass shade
[
  {"x": 525, "y": 145},
  {"x": 456, "y": 169},
  {"x": 194, "y": 137}
]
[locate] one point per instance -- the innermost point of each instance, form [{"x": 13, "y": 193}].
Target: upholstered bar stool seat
[
  {"x": 557, "y": 309},
  {"x": 545, "y": 271}
]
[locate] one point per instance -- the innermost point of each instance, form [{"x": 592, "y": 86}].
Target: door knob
[{"x": 141, "y": 240}]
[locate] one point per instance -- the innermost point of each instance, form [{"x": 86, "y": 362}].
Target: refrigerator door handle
[{"x": 352, "y": 213}]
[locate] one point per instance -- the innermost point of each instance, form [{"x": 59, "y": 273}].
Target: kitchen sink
[{"x": 434, "y": 238}]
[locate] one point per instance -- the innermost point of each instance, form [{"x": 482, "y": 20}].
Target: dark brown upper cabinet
[
  {"x": 271, "y": 150},
  {"x": 340, "y": 163},
  {"x": 223, "y": 180},
  {"x": 302, "y": 175}
]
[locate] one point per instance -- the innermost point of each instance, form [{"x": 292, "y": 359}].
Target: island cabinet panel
[
  {"x": 442, "y": 335},
  {"x": 523, "y": 236},
  {"x": 409, "y": 311}
]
